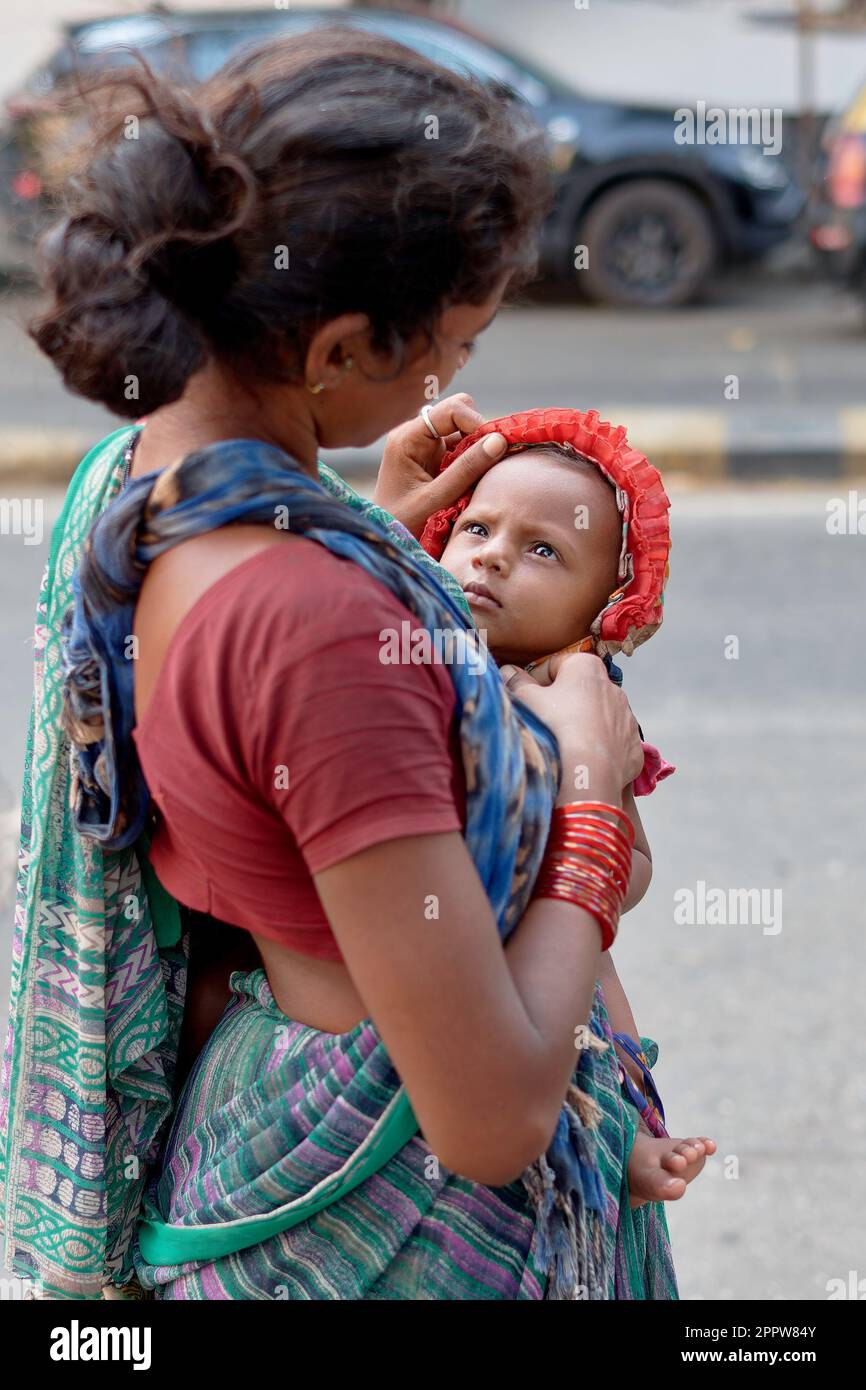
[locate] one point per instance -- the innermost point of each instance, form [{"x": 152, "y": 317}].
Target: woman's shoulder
[
  {"x": 285, "y": 578},
  {"x": 256, "y": 567},
  {"x": 262, "y": 602},
  {"x": 301, "y": 599}
]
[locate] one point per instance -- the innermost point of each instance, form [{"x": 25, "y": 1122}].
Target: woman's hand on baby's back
[
  {"x": 409, "y": 485},
  {"x": 598, "y": 736}
]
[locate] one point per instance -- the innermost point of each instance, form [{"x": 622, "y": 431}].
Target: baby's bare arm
[
  {"x": 641, "y": 859},
  {"x": 620, "y": 1015},
  {"x": 618, "y": 1008}
]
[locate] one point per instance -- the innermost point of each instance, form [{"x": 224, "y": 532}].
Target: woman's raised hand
[
  {"x": 598, "y": 736},
  {"x": 409, "y": 485}
]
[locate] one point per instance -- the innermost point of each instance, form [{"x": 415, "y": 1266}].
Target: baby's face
[{"x": 542, "y": 535}]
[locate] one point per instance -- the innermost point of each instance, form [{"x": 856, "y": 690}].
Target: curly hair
[{"x": 304, "y": 180}]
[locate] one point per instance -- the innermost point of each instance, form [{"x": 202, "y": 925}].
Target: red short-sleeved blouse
[{"x": 276, "y": 742}]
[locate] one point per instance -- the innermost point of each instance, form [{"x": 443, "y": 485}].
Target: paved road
[
  {"x": 758, "y": 1028},
  {"x": 796, "y": 346},
  {"x": 792, "y": 340}
]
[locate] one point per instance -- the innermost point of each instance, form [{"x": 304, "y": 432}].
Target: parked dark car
[
  {"x": 655, "y": 217},
  {"x": 838, "y": 223}
]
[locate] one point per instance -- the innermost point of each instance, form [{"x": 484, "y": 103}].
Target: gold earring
[{"x": 320, "y": 385}]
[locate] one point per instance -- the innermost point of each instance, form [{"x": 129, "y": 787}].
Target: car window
[
  {"x": 456, "y": 51},
  {"x": 208, "y": 49},
  {"x": 166, "y": 55},
  {"x": 202, "y": 52}
]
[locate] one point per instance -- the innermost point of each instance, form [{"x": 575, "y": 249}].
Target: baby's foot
[{"x": 660, "y": 1170}]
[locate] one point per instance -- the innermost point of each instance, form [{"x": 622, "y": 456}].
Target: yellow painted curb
[
  {"x": 676, "y": 441},
  {"x": 852, "y": 431},
  {"x": 42, "y": 456}
]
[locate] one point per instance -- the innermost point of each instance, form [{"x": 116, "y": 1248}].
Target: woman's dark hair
[{"x": 333, "y": 172}]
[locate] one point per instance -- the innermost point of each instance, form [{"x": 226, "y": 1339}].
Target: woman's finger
[
  {"x": 454, "y": 415},
  {"x": 410, "y": 448},
  {"x": 465, "y": 471},
  {"x": 556, "y": 662},
  {"x": 515, "y": 678},
  {"x": 541, "y": 673}
]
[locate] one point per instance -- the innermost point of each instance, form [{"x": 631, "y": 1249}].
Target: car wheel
[{"x": 648, "y": 243}]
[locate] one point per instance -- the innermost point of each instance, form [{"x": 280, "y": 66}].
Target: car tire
[{"x": 649, "y": 244}]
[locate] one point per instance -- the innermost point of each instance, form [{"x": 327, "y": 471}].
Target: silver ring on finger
[{"x": 425, "y": 416}]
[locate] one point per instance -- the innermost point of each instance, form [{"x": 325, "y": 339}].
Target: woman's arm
[{"x": 482, "y": 1037}]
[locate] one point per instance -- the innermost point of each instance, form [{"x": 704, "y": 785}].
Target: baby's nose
[{"x": 491, "y": 556}]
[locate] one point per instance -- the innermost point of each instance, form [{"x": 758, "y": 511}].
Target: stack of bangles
[{"x": 587, "y": 861}]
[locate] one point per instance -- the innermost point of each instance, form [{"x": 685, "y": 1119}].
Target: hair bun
[
  {"x": 112, "y": 334},
  {"x": 134, "y": 290}
]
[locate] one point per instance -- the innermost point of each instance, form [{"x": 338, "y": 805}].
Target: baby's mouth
[{"x": 478, "y": 595}]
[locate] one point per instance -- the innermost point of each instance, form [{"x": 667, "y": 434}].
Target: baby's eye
[
  {"x": 479, "y": 524},
  {"x": 542, "y": 545}
]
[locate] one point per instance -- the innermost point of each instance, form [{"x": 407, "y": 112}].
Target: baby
[{"x": 563, "y": 546}]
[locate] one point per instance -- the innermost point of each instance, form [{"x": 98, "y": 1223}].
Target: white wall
[
  {"x": 674, "y": 53},
  {"x": 649, "y": 51}
]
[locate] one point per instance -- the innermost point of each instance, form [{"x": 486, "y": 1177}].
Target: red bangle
[
  {"x": 614, "y": 853},
  {"x": 565, "y": 815},
  {"x": 587, "y": 861}
]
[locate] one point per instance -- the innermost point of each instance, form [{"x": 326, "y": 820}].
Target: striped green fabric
[{"x": 263, "y": 1089}]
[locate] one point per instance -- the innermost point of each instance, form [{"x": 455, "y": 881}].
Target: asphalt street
[{"x": 770, "y": 358}]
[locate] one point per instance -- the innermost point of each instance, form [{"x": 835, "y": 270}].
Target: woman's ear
[{"x": 332, "y": 346}]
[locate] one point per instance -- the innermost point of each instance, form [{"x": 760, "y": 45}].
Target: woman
[{"x": 285, "y": 263}]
